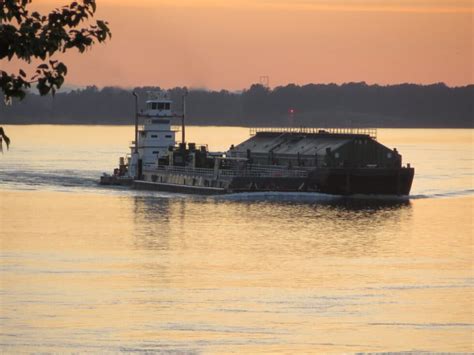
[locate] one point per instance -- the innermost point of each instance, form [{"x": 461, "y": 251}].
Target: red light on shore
[{"x": 291, "y": 110}]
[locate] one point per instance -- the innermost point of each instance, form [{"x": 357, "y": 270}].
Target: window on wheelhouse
[
  {"x": 167, "y": 106},
  {"x": 161, "y": 105}
]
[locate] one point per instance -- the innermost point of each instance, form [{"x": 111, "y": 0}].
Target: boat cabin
[{"x": 155, "y": 136}]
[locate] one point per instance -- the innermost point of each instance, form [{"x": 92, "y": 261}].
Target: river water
[{"x": 86, "y": 268}]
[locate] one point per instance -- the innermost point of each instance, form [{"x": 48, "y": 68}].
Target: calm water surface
[{"x": 92, "y": 269}]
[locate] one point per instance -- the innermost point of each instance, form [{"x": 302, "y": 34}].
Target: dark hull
[
  {"x": 335, "y": 181},
  {"x": 380, "y": 181}
]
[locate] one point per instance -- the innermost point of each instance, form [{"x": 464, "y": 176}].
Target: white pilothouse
[
  {"x": 154, "y": 140},
  {"x": 155, "y": 137}
]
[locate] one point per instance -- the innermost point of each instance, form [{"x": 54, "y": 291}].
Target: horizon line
[{"x": 71, "y": 87}]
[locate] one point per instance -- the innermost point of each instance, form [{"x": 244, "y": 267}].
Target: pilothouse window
[{"x": 159, "y": 106}]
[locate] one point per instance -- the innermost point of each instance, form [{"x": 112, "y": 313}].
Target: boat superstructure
[
  {"x": 154, "y": 140},
  {"x": 155, "y": 136},
  {"x": 342, "y": 161}
]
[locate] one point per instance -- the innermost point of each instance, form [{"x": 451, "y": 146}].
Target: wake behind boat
[{"x": 340, "y": 161}]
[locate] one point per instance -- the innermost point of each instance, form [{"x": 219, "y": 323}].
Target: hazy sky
[{"x": 231, "y": 43}]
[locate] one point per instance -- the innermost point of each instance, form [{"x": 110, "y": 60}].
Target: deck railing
[
  {"x": 250, "y": 171},
  {"x": 372, "y": 132}
]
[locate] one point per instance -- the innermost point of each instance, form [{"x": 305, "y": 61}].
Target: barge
[{"x": 339, "y": 161}]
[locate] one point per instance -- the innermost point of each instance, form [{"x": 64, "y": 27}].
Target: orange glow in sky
[{"x": 231, "y": 43}]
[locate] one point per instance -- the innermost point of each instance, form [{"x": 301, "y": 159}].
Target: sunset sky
[{"x": 231, "y": 43}]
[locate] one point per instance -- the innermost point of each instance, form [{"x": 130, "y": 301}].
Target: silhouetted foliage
[
  {"x": 27, "y": 36},
  {"x": 315, "y": 105},
  {"x": 4, "y": 137}
]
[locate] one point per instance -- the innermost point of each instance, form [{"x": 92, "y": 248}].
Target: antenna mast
[
  {"x": 183, "y": 127},
  {"x": 136, "y": 121}
]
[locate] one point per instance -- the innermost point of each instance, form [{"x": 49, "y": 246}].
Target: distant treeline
[{"x": 313, "y": 105}]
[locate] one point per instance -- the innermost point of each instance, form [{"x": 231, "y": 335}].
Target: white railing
[
  {"x": 184, "y": 170},
  {"x": 265, "y": 171},
  {"x": 251, "y": 171},
  {"x": 372, "y": 132}
]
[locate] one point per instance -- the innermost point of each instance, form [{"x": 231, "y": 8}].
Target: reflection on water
[
  {"x": 307, "y": 227},
  {"x": 174, "y": 273}
]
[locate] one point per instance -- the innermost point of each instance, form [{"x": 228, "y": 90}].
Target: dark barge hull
[
  {"x": 379, "y": 181},
  {"x": 335, "y": 181}
]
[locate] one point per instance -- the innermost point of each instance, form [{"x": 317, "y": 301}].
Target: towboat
[{"x": 339, "y": 161}]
